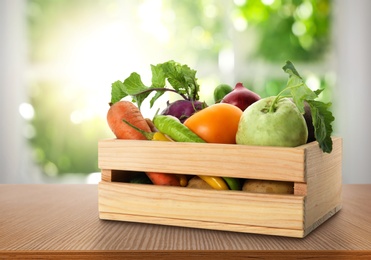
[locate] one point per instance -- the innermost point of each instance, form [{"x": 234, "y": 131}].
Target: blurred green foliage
[
  {"x": 277, "y": 30},
  {"x": 285, "y": 29},
  {"x": 290, "y": 29}
]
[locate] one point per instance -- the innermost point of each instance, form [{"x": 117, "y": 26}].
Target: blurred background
[{"x": 58, "y": 59}]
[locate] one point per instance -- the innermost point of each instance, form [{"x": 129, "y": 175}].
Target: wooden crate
[{"x": 316, "y": 176}]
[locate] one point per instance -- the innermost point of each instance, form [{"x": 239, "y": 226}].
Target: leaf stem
[
  {"x": 148, "y": 135},
  {"x": 160, "y": 89},
  {"x": 279, "y": 95}
]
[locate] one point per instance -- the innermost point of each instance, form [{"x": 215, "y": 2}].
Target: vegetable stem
[
  {"x": 148, "y": 135},
  {"x": 279, "y": 95},
  {"x": 161, "y": 89},
  {"x": 271, "y": 108}
]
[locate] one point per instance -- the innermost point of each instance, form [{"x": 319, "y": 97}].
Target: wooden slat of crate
[
  {"x": 172, "y": 205},
  {"x": 324, "y": 183},
  {"x": 204, "y": 225},
  {"x": 241, "y": 161}
]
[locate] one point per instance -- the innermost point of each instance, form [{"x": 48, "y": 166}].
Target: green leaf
[
  {"x": 299, "y": 90},
  {"x": 134, "y": 86},
  {"x": 322, "y": 119},
  {"x": 155, "y": 97},
  {"x": 158, "y": 82},
  {"x": 117, "y": 92},
  {"x": 290, "y": 69},
  {"x": 300, "y": 93},
  {"x": 321, "y": 115},
  {"x": 318, "y": 91},
  {"x": 158, "y": 76},
  {"x": 181, "y": 78}
]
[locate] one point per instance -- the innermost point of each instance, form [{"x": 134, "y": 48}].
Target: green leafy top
[
  {"x": 182, "y": 79},
  {"x": 322, "y": 117}
]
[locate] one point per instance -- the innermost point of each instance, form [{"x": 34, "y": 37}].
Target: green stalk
[
  {"x": 279, "y": 95},
  {"x": 161, "y": 89},
  {"x": 148, "y": 135}
]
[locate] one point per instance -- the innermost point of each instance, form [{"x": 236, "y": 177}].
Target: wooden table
[{"x": 61, "y": 221}]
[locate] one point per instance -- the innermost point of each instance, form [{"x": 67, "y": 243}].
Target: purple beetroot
[{"x": 182, "y": 109}]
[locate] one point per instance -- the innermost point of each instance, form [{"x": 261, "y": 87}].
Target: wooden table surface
[{"x": 61, "y": 221}]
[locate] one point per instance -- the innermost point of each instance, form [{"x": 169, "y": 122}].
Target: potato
[
  {"x": 197, "y": 183},
  {"x": 272, "y": 187}
]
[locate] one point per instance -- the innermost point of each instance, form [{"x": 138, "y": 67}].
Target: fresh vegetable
[
  {"x": 241, "y": 97},
  {"x": 151, "y": 125},
  {"x": 266, "y": 186},
  {"x": 321, "y": 115},
  {"x": 217, "y": 123},
  {"x": 162, "y": 178},
  {"x": 183, "y": 180},
  {"x": 172, "y": 127},
  {"x": 309, "y": 122},
  {"x": 159, "y": 178},
  {"x": 284, "y": 126},
  {"x": 154, "y": 136},
  {"x": 239, "y": 116},
  {"x": 182, "y": 79},
  {"x": 221, "y": 91},
  {"x": 158, "y": 136},
  {"x": 179, "y": 132},
  {"x": 182, "y": 109},
  {"x": 141, "y": 178},
  {"x": 216, "y": 183},
  {"x": 274, "y": 120},
  {"x": 233, "y": 183},
  {"x": 198, "y": 183},
  {"x": 125, "y": 110}
]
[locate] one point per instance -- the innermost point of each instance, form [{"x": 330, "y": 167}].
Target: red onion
[{"x": 241, "y": 97}]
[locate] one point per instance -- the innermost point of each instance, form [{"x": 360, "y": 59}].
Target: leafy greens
[
  {"x": 322, "y": 117},
  {"x": 181, "y": 78}
]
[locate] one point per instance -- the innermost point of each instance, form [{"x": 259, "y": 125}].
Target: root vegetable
[
  {"x": 197, "y": 183},
  {"x": 241, "y": 97},
  {"x": 182, "y": 109},
  {"x": 128, "y": 111},
  {"x": 159, "y": 178},
  {"x": 127, "y": 122},
  {"x": 266, "y": 186}
]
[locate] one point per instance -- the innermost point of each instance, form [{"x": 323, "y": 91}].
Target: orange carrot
[
  {"x": 128, "y": 111},
  {"x": 159, "y": 178}
]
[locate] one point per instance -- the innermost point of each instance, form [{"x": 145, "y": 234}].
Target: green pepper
[
  {"x": 141, "y": 178},
  {"x": 154, "y": 136},
  {"x": 173, "y": 128},
  {"x": 233, "y": 183}
]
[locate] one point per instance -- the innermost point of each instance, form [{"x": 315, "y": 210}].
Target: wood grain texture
[
  {"x": 324, "y": 182},
  {"x": 242, "y": 161},
  {"x": 61, "y": 221},
  {"x": 213, "y": 209}
]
